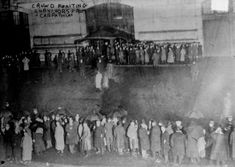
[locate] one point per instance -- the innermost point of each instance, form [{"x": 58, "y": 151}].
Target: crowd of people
[
  {"x": 120, "y": 53},
  {"x": 163, "y": 141}
]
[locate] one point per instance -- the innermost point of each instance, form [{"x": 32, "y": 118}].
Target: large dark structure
[
  {"x": 14, "y": 29},
  {"x": 114, "y": 15}
]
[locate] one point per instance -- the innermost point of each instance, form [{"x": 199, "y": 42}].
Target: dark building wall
[
  {"x": 14, "y": 31},
  {"x": 115, "y": 15}
]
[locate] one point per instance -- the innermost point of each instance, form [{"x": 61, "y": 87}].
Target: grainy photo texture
[{"x": 114, "y": 83}]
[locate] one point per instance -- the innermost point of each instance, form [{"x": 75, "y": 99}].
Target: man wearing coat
[
  {"x": 144, "y": 140},
  {"x": 109, "y": 134},
  {"x": 99, "y": 137},
  {"x": 155, "y": 139},
  {"x": 71, "y": 135},
  {"x": 178, "y": 146},
  {"x": 165, "y": 143},
  {"x": 119, "y": 134}
]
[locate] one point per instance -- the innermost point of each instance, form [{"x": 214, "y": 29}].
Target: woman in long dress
[
  {"x": 59, "y": 138},
  {"x": 39, "y": 142},
  {"x": 27, "y": 146},
  {"x": 171, "y": 58},
  {"x": 182, "y": 55},
  {"x": 146, "y": 57},
  {"x": 156, "y": 57},
  {"x": 98, "y": 81},
  {"x": 86, "y": 138}
]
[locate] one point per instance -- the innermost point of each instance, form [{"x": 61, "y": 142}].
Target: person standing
[
  {"x": 177, "y": 53},
  {"x": 71, "y": 61},
  {"x": 109, "y": 134},
  {"x": 60, "y": 60},
  {"x": 99, "y": 137},
  {"x": 146, "y": 57},
  {"x": 27, "y": 146},
  {"x": 137, "y": 55},
  {"x": 59, "y": 138},
  {"x": 47, "y": 134},
  {"x": 194, "y": 132},
  {"x": 71, "y": 135},
  {"x": 209, "y": 139},
  {"x": 163, "y": 54},
  {"x": 110, "y": 69},
  {"x": 8, "y": 133},
  {"x": 156, "y": 57},
  {"x": 39, "y": 145},
  {"x": 86, "y": 139},
  {"x": 133, "y": 138},
  {"x": 2, "y": 145},
  {"x": 182, "y": 54},
  {"x": 155, "y": 140},
  {"x": 80, "y": 133},
  {"x": 48, "y": 59},
  {"x": 165, "y": 143},
  {"x": 98, "y": 81},
  {"x": 219, "y": 150},
  {"x": 119, "y": 134},
  {"x": 53, "y": 126},
  {"x": 178, "y": 140},
  {"x": 26, "y": 67},
  {"x": 142, "y": 56},
  {"x": 171, "y": 57},
  {"x": 82, "y": 68},
  {"x": 105, "y": 82},
  {"x": 232, "y": 143},
  {"x": 144, "y": 139}
]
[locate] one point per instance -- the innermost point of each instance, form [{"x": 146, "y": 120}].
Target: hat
[
  {"x": 178, "y": 123},
  {"x": 39, "y": 130}
]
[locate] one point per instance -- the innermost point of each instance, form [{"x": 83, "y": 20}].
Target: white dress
[
  {"x": 98, "y": 80},
  {"x": 59, "y": 138},
  {"x": 106, "y": 81}
]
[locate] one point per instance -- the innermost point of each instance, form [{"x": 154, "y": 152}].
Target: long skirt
[
  {"x": 27, "y": 148},
  {"x": 2, "y": 149},
  {"x": 39, "y": 143}
]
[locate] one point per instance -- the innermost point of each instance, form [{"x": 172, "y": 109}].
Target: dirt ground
[{"x": 52, "y": 159}]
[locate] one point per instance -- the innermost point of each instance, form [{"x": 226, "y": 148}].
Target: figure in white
[
  {"x": 106, "y": 80},
  {"x": 227, "y": 104},
  {"x": 98, "y": 81}
]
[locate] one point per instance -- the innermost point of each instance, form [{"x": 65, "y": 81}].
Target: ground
[{"x": 51, "y": 159}]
